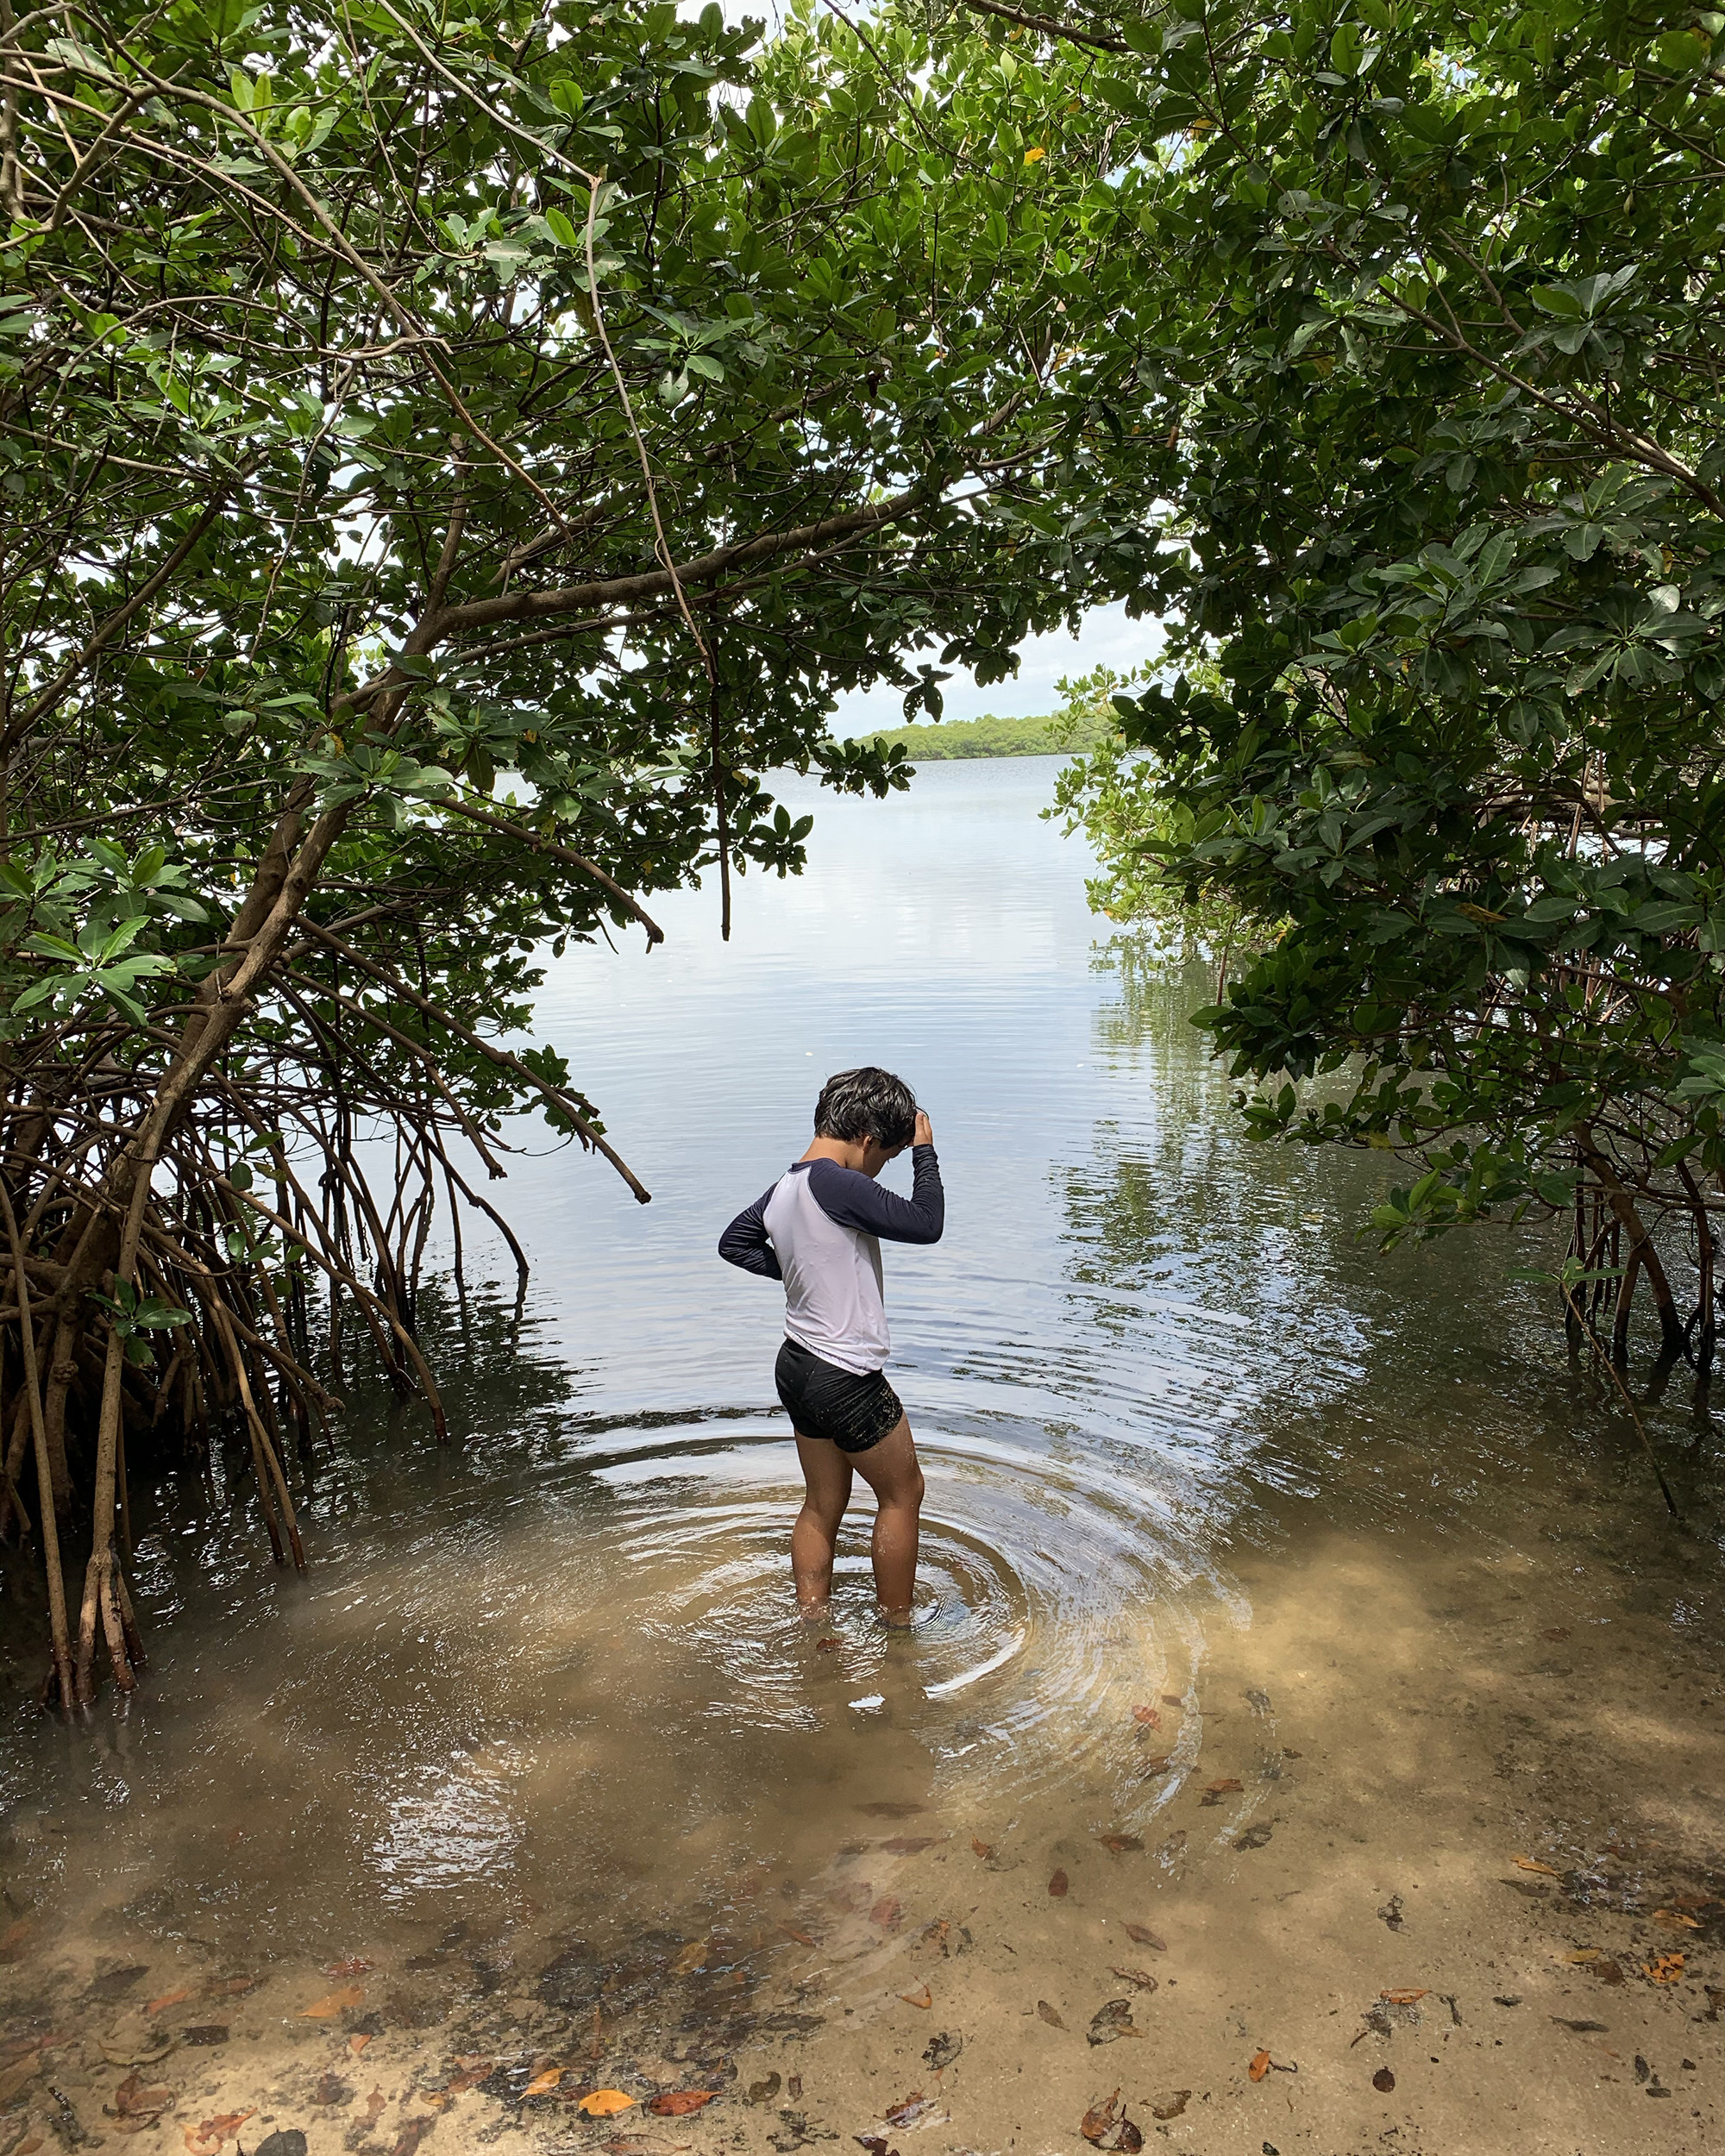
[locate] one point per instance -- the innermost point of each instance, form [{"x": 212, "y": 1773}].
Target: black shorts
[{"x": 822, "y": 1401}]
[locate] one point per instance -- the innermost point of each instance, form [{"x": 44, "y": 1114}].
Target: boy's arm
[
  {"x": 857, "y": 1201},
  {"x": 745, "y": 1242}
]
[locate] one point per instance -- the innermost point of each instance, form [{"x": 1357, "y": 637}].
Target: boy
[{"x": 817, "y": 1230}]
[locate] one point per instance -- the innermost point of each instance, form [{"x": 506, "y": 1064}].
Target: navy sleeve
[
  {"x": 745, "y": 1242},
  {"x": 855, "y": 1200}
]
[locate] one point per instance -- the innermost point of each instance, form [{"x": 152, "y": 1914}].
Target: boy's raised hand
[{"x": 924, "y": 1130}]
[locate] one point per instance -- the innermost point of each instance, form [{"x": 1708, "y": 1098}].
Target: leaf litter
[{"x": 1103, "y": 2127}]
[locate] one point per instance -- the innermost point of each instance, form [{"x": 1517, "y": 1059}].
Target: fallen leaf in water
[
  {"x": 886, "y": 1912},
  {"x": 167, "y": 1999},
  {"x": 1175, "y": 1843},
  {"x": 1175, "y": 2105},
  {"x": 1102, "y": 2129},
  {"x": 604, "y": 2103},
  {"x": 472, "y": 2072},
  {"x": 206, "y": 2139},
  {"x": 136, "y": 2107},
  {"x": 1120, "y": 1844},
  {"x": 677, "y": 2103},
  {"x": 357, "y": 2044},
  {"x": 205, "y": 2033},
  {"x": 1532, "y": 1864},
  {"x": 1058, "y": 1884},
  {"x": 1141, "y": 1978},
  {"x": 15, "y": 1936},
  {"x": 1111, "y": 2020},
  {"x": 331, "y": 2088},
  {"x": 762, "y": 2092},
  {"x": 1582, "y": 2028},
  {"x": 793, "y": 2088},
  {"x": 1157, "y": 1766},
  {"x": 925, "y": 1998},
  {"x": 1674, "y": 1920},
  {"x": 374, "y": 2103},
  {"x": 359, "y": 1966},
  {"x": 828, "y": 1646},
  {"x": 1147, "y": 1717},
  {"x": 1215, "y": 1792},
  {"x": 1260, "y": 2065},
  {"x": 887, "y": 1808},
  {"x": 231, "y": 1987},
  {"x": 1663, "y": 1969},
  {"x": 1383, "y": 2081},
  {"x": 1173, "y": 1699},
  {"x": 915, "y": 2107},
  {"x": 1142, "y": 1935},
  {"x": 1254, "y": 1837},
  {"x": 1402, "y": 1998},
  {"x": 933, "y": 1936},
  {"x": 795, "y": 1932},
  {"x": 1047, "y": 2014},
  {"x": 941, "y": 2052},
  {"x": 115, "y": 1984},
  {"x": 333, "y": 2002},
  {"x": 908, "y": 1845},
  {"x": 29, "y": 2146},
  {"x": 695, "y": 1956},
  {"x": 413, "y": 2131},
  {"x": 16, "y": 2078},
  {"x": 983, "y": 1849},
  {"x": 542, "y": 2084}
]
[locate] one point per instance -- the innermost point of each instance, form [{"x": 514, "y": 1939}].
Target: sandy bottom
[{"x": 1425, "y": 1858}]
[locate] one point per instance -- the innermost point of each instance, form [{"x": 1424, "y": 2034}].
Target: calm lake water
[{"x": 1189, "y": 1444}]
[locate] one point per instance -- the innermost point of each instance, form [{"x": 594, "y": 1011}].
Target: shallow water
[{"x": 1297, "y": 1574}]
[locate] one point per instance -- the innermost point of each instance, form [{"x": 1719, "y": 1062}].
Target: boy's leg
[
  {"x": 826, "y": 1492},
  {"x": 891, "y": 1470}
]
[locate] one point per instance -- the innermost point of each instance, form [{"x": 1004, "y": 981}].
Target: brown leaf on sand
[
  {"x": 1260, "y": 2065},
  {"x": 1157, "y": 1766},
  {"x": 908, "y": 1845},
  {"x": 1147, "y": 1717},
  {"x": 1058, "y": 1884},
  {"x": 167, "y": 1999},
  {"x": 413, "y": 2131},
  {"x": 1383, "y": 2081},
  {"x": 794, "y": 1931},
  {"x": 1675, "y": 1921},
  {"x": 330, "y": 2089},
  {"x": 606, "y": 2103},
  {"x": 1663, "y": 1969},
  {"x": 205, "y": 2140},
  {"x": 1407, "y": 1997},
  {"x": 915, "y": 2107},
  {"x": 885, "y": 1807},
  {"x": 374, "y": 2103},
  {"x": 231, "y": 1987},
  {"x": 1532, "y": 1864},
  {"x": 1142, "y": 1935},
  {"x": 932, "y": 1938},
  {"x": 136, "y": 2107},
  {"x": 469, "y": 2074},
  {"x": 1120, "y": 1844},
  {"x": 1141, "y": 1978},
  {"x": 1175, "y": 2105},
  {"x": 359, "y": 1966},
  {"x": 983, "y": 1849},
  {"x": 886, "y": 1913},
  {"x": 1215, "y": 1792},
  {"x": 1047, "y": 2014},
  {"x": 1172, "y": 1699},
  {"x": 357, "y": 2044},
  {"x": 924, "y": 1999},
  {"x": 1102, "y": 2129},
  {"x": 677, "y": 2103},
  {"x": 542, "y": 2084},
  {"x": 333, "y": 2002}
]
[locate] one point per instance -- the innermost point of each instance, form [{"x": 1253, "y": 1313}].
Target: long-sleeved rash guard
[{"x": 819, "y": 1229}]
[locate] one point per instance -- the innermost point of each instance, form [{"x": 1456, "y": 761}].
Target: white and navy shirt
[{"x": 819, "y": 1229}]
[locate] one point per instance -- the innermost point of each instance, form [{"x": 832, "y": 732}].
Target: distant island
[{"x": 1056, "y": 735}]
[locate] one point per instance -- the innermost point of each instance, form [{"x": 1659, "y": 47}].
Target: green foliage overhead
[{"x": 1431, "y": 338}]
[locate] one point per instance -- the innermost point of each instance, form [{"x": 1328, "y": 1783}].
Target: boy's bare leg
[
  {"x": 892, "y": 1471},
  {"x": 826, "y": 1492}
]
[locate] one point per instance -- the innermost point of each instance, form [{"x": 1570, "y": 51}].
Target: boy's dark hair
[{"x": 867, "y": 1103}]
